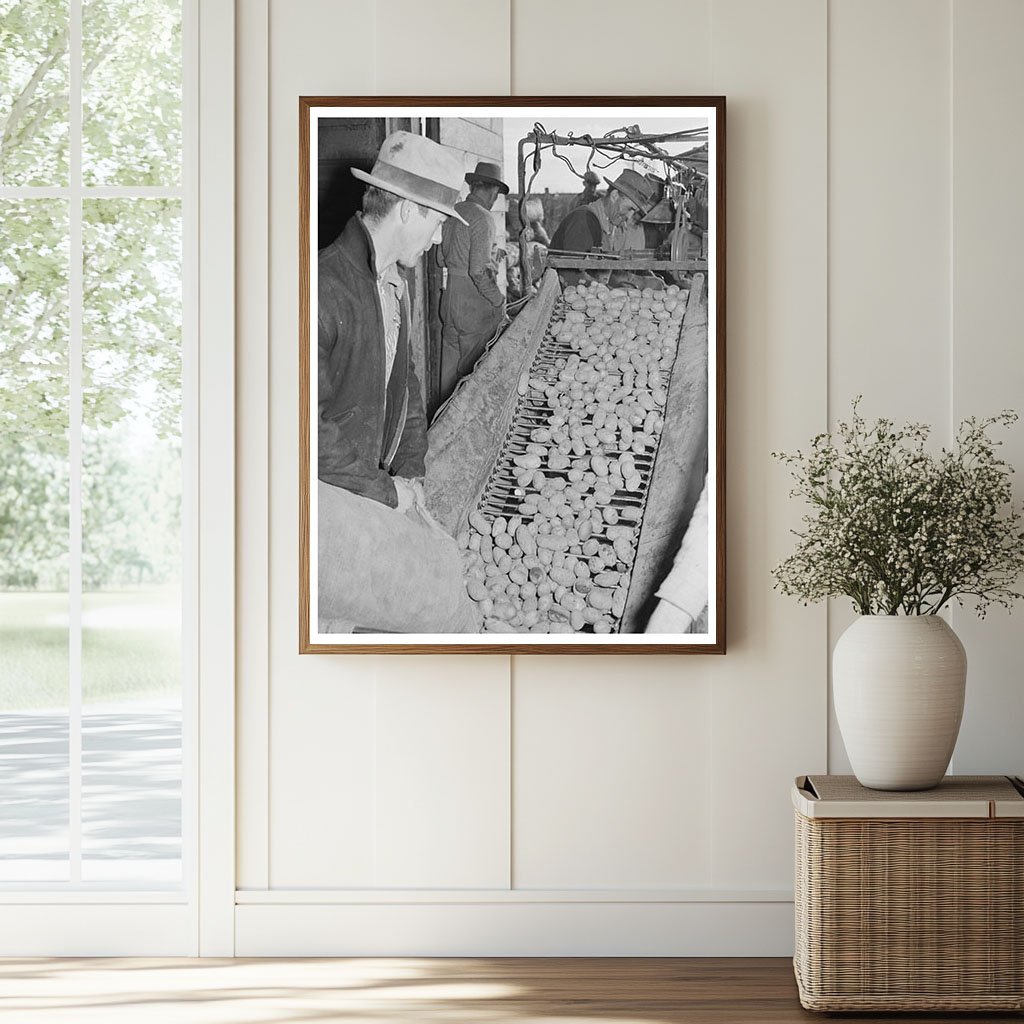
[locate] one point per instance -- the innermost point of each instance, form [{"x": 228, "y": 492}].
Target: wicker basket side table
[{"x": 910, "y": 901}]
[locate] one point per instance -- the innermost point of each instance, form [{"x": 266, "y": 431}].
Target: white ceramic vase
[{"x": 898, "y": 684}]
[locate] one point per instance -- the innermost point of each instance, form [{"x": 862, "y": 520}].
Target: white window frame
[{"x": 51, "y": 919}]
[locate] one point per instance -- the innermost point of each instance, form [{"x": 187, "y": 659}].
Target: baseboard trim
[
  {"x": 349, "y": 897},
  {"x": 515, "y": 928}
]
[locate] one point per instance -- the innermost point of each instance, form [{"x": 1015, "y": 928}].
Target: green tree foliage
[
  {"x": 33, "y": 92},
  {"x": 131, "y": 308},
  {"x": 131, "y": 92}
]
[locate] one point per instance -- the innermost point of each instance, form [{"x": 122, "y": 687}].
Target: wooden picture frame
[{"x": 627, "y": 367}]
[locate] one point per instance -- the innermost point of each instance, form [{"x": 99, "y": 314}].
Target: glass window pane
[
  {"x": 34, "y": 494},
  {"x": 131, "y": 541},
  {"x": 131, "y": 92},
  {"x": 33, "y": 92}
]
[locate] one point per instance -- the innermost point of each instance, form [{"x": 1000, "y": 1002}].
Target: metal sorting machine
[
  {"x": 474, "y": 480},
  {"x": 575, "y": 534}
]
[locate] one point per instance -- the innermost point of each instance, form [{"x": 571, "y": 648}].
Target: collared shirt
[{"x": 391, "y": 288}]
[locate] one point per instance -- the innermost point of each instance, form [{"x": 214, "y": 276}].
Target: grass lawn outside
[{"x": 131, "y": 647}]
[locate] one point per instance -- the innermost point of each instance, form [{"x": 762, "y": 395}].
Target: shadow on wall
[{"x": 343, "y": 143}]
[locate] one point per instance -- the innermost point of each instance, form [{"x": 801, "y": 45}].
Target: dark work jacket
[
  {"x": 580, "y": 231},
  {"x": 366, "y": 433}
]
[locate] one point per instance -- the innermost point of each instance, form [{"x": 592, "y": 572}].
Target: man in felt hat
[
  {"x": 589, "y": 194},
  {"x": 384, "y": 565},
  {"x": 472, "y": 305},
  {"x": 589, "y": 228}
]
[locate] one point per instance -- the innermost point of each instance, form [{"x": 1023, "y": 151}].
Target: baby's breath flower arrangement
[{"x": 899, "y": 530}]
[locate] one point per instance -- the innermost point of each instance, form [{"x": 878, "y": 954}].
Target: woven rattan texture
[
  {"x": 959, "y": 787},
  {"x": 916, "y": 914}
]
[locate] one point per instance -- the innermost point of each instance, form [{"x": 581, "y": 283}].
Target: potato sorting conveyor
[{"x": 551, "y": 543}]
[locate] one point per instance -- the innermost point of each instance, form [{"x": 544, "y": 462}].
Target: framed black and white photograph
[{"x": 512, "y": 379}]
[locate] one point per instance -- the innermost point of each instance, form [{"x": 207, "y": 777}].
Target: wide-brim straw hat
[
  {"x": 633, "y": 185},
  {"x": 419, "y": 169},
  {"x": 487, "y": 173}
]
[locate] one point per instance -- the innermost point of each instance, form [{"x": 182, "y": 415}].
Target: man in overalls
[
  {"x": 384, "y": 565},
  {"x": 472, "y": 305}
]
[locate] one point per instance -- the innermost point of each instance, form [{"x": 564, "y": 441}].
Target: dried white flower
[{"x": 897, "y": 529}]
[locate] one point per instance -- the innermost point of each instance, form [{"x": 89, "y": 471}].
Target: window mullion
[{"x": 75, "y": 334}]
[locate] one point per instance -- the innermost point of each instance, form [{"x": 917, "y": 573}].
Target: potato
[
  {"x": 485, "y": 548},
  {"x": 497, "y": 625},
  {"x": 623, "y": 549},
  {"x": 552, "y": 543},
  {"x": 528, "y": 461},
  {"x": 504, "y": 610},
  {"x": 565, "y": 577},
  {"x": 478, "y": 522},
  {"x": 477, "y": 591},
  {"x": 526, "y": 540}
]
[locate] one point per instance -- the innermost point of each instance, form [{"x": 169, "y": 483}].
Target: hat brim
[
  {"x": 388, "y": 186},
  {"x": 641, "y": 204},
  {"x": 482, "y": 179}
]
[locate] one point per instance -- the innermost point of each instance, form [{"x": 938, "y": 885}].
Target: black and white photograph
[{"x": 512, "y": 375}]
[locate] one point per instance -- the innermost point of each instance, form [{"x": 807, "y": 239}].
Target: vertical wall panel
[
  {"x": 612, "y": 782},
  {"x": 889, "y": 208},
  {"x": 769, "y": 692},
  {"x": 601, "y": 779},
  {"x": 889, "y": 248},
  {"x": 252, "y": 192},
  {"x": 987, "y": 365},
  {"x": 443, "y": 48},
  {"x": 325, "y": 731},
  {"x": 442, "y": 776},
  {"x": 443, "y": 722},
  {"x": 323, "y": 775},
  {"x": 598, "y": 48},
  {"x": 321, "y": 708}
]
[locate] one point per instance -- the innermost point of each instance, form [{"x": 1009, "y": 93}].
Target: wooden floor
[{"x": 413, "y": 991}]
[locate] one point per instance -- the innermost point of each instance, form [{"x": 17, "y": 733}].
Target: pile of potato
[{"x": 561, "y": 563}]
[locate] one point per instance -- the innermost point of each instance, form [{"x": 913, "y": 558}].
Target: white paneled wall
[
  {"x": 626, "y": 805},
  {"x": 987, "y": 355},
  {"x": 612, "y": 779},
  {"x": 889, "y": 223},
  {"x": 768, "y": 693}
]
